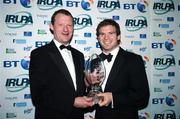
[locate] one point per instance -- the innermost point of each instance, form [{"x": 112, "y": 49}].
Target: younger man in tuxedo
[{"x": 125, "y": 88}]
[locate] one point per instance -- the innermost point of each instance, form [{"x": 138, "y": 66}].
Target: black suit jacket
[
  {"x": 51, "y": 86},
  {"x": 129, "y": 85}
]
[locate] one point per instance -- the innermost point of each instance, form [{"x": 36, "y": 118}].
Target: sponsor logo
[
  {"x": 19, "y": 41},
  {"x": 18, "y": 83},
  {"x": 49, "y": 4},
  {"x": 80, "y": 42},
  {"x": 27, "y": 33},
  {"x": 87, "y": 35},
  {"x": 164, "y": 62},
  {"x": 163, "y": 25},
  {"x": 86, "y": 4},
  {"x": 19, "y": 19},
  {"x": 136, "y": 42},
  {"x": 166, "y": 114},
  {"x": 19, "y": 104},
  {"x": 116, "y": 18},
  {"x": 28, "y": 111},
  {"x": 144, "y": 115},
  {"x": 10, "y": 50},
  {"x": 27, "y": 96},
  {"x": 136, "y": 23},
  {"x": 163, "y": 7},
  {"x": 142, "y": 6},
  {"x": 157, "y": 89},
  {"x": 11, "y": 115},
  {"x": 26, "y": 3},
  {"x": 108, "y": 6},
  {"x": 82, "y": 21},
  {"x": 171, "y": 74}
]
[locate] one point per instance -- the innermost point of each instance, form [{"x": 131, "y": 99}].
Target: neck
[{"x": 108, "y": 51}]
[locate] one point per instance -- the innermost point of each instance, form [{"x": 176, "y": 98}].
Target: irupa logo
[{"x": 19, "y": 19}]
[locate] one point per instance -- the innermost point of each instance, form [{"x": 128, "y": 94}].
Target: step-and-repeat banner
[{"x": 149, "y": 28}]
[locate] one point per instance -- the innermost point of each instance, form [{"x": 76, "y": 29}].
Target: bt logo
[
  {"x": 142, "y": 6},
  {"x": 86, "y": 4},
  {"x": 24, "y": 3},
  {"x": 24, "y": 63},
  {"x": 144, "y": 115},
  {"x": 169, "y": 44},
  {"x": 169, "y": 100}
]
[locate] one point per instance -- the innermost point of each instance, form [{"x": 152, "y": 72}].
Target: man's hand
[
  {"x": 83, "y": 102},
  {"x": 106, "y": 100}
]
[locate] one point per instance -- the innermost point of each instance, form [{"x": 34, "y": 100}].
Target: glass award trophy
[{"x": 95, "y": 74}]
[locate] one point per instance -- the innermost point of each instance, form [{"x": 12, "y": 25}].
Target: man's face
[
  {"x": 62, "y": 28},
  {"x": 108, "y": 38}
]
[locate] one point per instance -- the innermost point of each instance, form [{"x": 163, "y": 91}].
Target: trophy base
[{"x": 94, "y": 96}]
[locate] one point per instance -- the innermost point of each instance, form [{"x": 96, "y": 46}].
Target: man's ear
[
  {"x": 119, "y": 39},
  {"x": 51, "y": 28}
]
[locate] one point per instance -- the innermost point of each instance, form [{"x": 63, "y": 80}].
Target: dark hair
[
  {"x": 106, "y": 22},
  {"x": 60, "y": 11}
]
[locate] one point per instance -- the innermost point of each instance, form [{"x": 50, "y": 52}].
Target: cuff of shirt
[{"x": 112, "y": 103}]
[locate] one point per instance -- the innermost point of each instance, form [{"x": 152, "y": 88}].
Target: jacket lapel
[
  {"x": 119, "y": 60},
  {"x": 76, "y": 65},
  {"x": 58, "y": 59}
]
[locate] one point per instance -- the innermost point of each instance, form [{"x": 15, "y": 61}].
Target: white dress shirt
[
  {"x": 108, "y": 65},
  {"x": 67, "y": 56}
]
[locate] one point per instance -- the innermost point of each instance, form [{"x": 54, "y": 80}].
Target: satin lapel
[
  {"x": 119, "y": 60},
  {"x": 58, "y": 59},
  {"x": 76, "y": 60},
  {"x": 78, "y": 69}
]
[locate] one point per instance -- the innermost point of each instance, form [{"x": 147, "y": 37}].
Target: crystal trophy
[{"x": 95, "y": 74}]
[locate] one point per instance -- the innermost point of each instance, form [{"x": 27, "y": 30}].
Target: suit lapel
[
  {"x": 76, "y": 66},
  {"x": 58, "y": 59},
  {"x": 119, "y": 60},
  {"x": 78, "y": 69}
]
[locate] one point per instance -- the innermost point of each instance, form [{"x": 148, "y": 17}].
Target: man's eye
[
  {"x": 69, "y": 25},
  {"x": 101, "y": 34}
]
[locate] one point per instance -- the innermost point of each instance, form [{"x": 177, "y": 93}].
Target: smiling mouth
[
  {"x": 107, "y": 43},
  {"x": 65, "y": 33}
]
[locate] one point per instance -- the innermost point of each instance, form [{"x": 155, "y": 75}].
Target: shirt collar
[
  {"x": 58, "y": 44},
  {"x": 114, "y": 51}
]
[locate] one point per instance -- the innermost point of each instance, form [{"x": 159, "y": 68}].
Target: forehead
[
  {"x": 107, "y": 28},
  {"x": 63, "y": 17}
]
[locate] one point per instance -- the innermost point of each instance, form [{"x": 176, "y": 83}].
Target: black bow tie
[
  {"x": 104, "y": 57},
  {"x": 66, "y": 47}
]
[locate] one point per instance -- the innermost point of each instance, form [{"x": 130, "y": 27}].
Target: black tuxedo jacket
[
  {"x": 51, "y": 86},
  {"x": 129, "y": 85}
]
